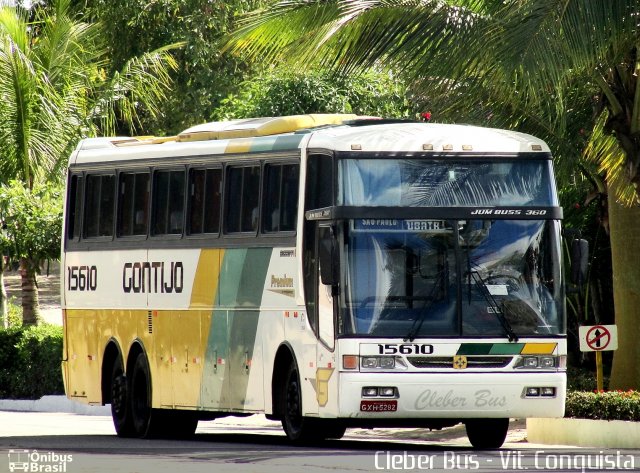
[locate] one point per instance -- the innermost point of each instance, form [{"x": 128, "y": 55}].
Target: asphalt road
[{"x": 77, "y": 444}]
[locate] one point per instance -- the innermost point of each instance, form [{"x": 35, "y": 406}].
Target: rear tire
[
  {"x": 155, "y": 423},
  {"x": 146, "y": 422},
  {"x": 120, "y": 409},
  {"x": 487, "y": 434}
]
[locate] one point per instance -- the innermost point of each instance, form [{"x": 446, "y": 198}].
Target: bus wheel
[
  {"x": 487, "y": 433},
  {"x": 120, "y": 411},
  {"x": 146, "y": 422},
  {"x": 296, "y": 427}
]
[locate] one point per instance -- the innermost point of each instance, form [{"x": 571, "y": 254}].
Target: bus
[{"x": 327, "y": 271}]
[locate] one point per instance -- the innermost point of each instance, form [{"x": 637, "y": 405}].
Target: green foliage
[
  {"x": 606, "y": 405},
  {"x": 32, "y": 221},
  {"x": 30, "y": 360},
  {"x": 14, "y": 313},
  {"x": 55, "y": 88},
  {"x": 278, "y": 93},
  {"x": 203, "y": 77},
  {"x": 580, "y": 379}
]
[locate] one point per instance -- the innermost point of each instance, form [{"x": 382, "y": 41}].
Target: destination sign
[{"x": 409, "y": 225}]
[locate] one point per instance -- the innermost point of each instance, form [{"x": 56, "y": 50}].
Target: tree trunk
[
  {"x": 30, "y": 306},
  {"x": 625, "y": 255}
]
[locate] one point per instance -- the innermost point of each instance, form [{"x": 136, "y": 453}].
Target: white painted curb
[
  {"x": 53, "y": 404},
  {"x": 584, "y": 432}
]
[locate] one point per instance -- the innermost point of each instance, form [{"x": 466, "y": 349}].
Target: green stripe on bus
[
  {"x": 506, "y": 348},
  {"x": 232, "y": 335},
  {"x": 490, "y": 349},
  {"x": 287, "y": 142},
  {"x": 276, "y": 143}
]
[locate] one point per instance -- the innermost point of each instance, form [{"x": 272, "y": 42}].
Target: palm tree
[
  {"x": 53, "y": 91},
  {"x": 547, "y": 66}
]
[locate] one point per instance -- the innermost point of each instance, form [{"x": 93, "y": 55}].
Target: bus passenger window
[
  {"x": 167, "y": 207},
  {"x": 204, "y": 200},
  {"x": 242, "y": 198},
  {"x": 98, "y": 207},
  {"x": 281, "y": 198},
  {"x": 133, "y": 204},
  {"x": 74, "y": 207}
]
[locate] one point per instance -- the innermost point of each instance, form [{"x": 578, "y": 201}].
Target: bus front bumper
[{"x": 452, "y": 395}]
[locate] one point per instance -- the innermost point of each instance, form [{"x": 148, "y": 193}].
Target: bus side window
[
  {"x": 133, "y": 204},
  {"x": 99, "y": 205},
  {"x": 167, "y": 206},
  {"x": 205, "y": 186},
  {"x": 281, "y": 197},
  {"x": 74, "y": 203},
  {"x": 242, "y": 198}
]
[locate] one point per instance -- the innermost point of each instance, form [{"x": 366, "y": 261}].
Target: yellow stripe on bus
[
  {"x": 539, "y": 348},
  {"x": 205, "y": 284}
]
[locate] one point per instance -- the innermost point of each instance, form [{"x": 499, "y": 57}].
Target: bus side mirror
[
  {"x": 327, "y": 256},
  {"x": 579, "y": 261}
]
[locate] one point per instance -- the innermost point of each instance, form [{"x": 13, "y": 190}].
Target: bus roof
[
  {"x": 328, "y": 131},
  {"x": 419, "y": 137}
]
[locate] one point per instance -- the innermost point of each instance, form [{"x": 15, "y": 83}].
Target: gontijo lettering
[{"x": 153, "y": 277}]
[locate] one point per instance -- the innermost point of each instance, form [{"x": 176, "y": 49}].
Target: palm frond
[
  {"x": 143, "y": 83},
  {"x": 604, "y": 150}
]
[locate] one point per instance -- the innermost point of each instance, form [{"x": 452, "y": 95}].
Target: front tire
[
  {"x": 298, "y": 428},
  {"x": 487, "y": 434}
]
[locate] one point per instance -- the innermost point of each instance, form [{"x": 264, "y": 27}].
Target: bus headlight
[
  {"x": 546, "y": 362},
  {"x": 380, "y": 362}
]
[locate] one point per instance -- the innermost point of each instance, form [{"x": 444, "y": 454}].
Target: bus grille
[{"x": 447, "y": 361}]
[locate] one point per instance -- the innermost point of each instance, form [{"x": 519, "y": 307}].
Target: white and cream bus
[{"x": 324, "y": 270}]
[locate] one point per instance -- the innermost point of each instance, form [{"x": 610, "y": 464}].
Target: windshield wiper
[
  {"x": 413, "y": 331},
  {"x": 482, "y": 286}
]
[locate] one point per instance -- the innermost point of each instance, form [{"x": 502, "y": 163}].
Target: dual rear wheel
[{"x": 131, "y": 408}]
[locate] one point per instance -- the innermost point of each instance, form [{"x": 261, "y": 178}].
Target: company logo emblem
[
  {"x": 282, "y": 285},
  {"x": 459, "y": 362}
]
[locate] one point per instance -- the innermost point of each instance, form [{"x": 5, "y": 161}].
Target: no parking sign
[{"x": 598, "y": 338}]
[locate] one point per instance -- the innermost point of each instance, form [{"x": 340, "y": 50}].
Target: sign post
[{"x": 598, "y": 338}]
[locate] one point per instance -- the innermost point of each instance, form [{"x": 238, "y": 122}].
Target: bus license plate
[{"x": 379, "y": 406}]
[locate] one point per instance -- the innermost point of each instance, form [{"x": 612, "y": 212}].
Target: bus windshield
[
  {"x": 468, "y": 278},
  {"x": 426, "y": 182}
]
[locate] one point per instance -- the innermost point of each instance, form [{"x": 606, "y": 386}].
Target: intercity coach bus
[{"x": 328, "y": 271}]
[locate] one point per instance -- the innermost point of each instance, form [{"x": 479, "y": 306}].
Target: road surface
[{"x": 72, "y": 443}]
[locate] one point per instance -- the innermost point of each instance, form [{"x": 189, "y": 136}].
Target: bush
[
  {"x": 581, "y": 379},
  {"x": 30, "y": 362},
  {"x": 604, "y": 405}
]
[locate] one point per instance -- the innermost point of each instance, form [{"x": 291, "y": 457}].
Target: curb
[
  {"x": 584, "y": 432},
  {"x": 53, "y": 404}
]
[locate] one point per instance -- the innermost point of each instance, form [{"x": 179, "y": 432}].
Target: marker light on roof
[
  {"x": 427, "y": 147},
  {"x": 356, "y": 147},
  {"x": 447, "y": 147}
]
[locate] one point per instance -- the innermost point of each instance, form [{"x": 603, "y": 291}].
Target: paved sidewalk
[
  {"x": 48, "y": 293},
  {"x": 53, "y": 404}
]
